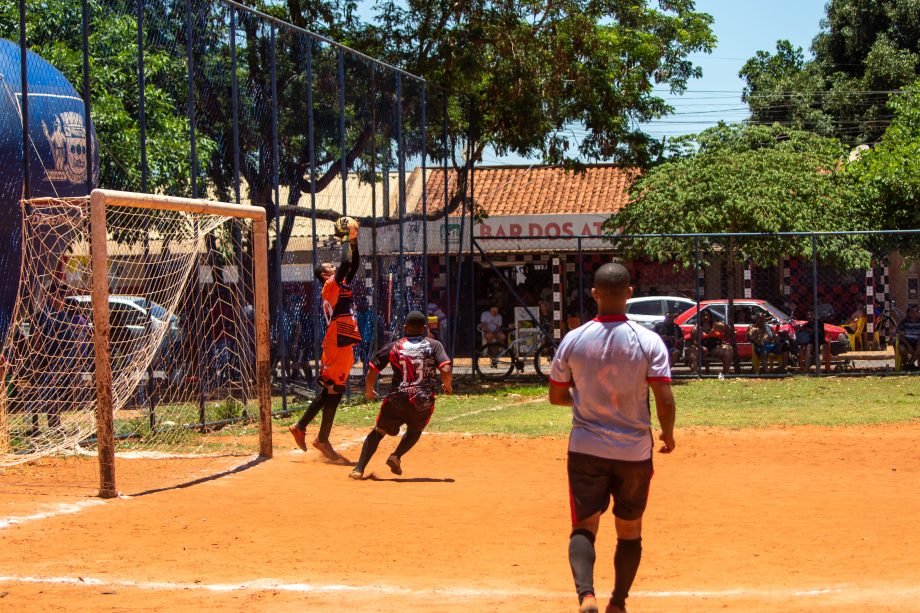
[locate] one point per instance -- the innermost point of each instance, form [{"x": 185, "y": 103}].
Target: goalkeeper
[{"x": 341, "y": 333}]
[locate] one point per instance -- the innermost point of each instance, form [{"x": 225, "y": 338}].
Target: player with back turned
[
  {"x": 604, "y": 370},
  {"x": 415, "y": 360},
  {"x": 341, "y": 334}
]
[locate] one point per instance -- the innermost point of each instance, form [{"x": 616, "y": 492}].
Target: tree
[
  {"x": 742, "y": 179},
  {"x": 888, "y": 175},
  {"x": 532, "y": 70},
  {"x": 865, "y": 50}
]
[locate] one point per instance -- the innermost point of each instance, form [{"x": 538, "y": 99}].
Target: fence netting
[
  {"x": 825, "y": 303},
  {"x": 181, "y": 341}
]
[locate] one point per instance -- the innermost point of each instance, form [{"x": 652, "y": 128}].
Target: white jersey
[{"x": 609, "y": 362}]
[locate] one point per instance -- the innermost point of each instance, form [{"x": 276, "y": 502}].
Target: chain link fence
[
  {"x": 793, "y": 303},
  {"x": 217, "y": 100}
]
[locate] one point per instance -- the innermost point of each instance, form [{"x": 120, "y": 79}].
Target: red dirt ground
[{"x": 797, "y": 519}]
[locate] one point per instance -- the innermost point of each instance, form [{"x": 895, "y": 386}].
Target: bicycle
[
  {"x": 495, "y": 361},
  {"x": 886, "y": 325}
]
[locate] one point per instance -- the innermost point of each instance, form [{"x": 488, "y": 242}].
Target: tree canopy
[
  {"x": 737, "y": 178},
  {"x": 865, "y": 50},
  {"x": 888, "y": 175},
  {"x": 532, "y": 70}
]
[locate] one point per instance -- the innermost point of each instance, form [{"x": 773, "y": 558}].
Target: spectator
[
  {"x": 765, "y": 341},
  {"x": 714, "y": 339},
  {"x": 491, "y": 326},
  {"x": 439, "y": 331},
  {"x": 63, "y": 336},
  {"x": 853, "y": 322},
  {"x": 804, "y": 337},
  {"x": 909, "y": 339},
  {"x": 672, "y": 336},
  {"x": 545, "y": 313}
]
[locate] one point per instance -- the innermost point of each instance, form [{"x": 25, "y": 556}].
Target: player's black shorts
[
  {"x": 413, "y": 408},
  {"x": 593, "y": 480}
]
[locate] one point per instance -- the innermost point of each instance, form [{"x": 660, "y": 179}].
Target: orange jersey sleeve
[{"x": 330, "y": 296}]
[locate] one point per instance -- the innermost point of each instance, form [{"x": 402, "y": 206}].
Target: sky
[{"x": 742, "y": 28}]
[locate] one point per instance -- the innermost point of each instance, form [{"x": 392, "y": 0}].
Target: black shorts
[
  {"x": 593, "y": 480},
  {"x": 413, "y": 408}
]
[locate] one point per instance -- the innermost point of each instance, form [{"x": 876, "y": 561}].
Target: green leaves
[{"x": 735, "y": 178}]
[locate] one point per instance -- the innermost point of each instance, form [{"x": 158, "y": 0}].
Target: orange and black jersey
[
  {"x": 338, "y": 299},
  {"x": 416, "y": 361}
]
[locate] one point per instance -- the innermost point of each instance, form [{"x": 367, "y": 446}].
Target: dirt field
[{"x": 803, "y": 519}]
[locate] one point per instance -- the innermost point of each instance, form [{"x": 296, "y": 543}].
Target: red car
[{"x": 746, "y": 310}]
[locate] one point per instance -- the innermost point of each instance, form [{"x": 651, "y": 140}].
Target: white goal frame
[{"x": 99, "y": 200}]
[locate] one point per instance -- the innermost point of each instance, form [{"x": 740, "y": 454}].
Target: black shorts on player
[
  {"x": 593, "y": 480},
  {"x": 412, "y": 407}
]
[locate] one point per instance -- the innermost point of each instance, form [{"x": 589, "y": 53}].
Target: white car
[{"x": 649, "y": 310}]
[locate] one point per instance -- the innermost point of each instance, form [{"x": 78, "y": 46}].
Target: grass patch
[{"x": 737, "y": 403}]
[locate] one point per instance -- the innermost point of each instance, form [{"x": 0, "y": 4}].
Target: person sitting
[
  {"x": 852, "y": 323},
  {"x": 805, "y": 338},
  {"x": 909, "y": 339},
  {"x": 672, "y": 336},
  {"x": 765, "y": 341},
  {"x": 491, "y": 326},
  {"x": 714, "y": 341}
]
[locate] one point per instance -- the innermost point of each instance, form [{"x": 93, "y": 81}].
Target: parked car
[
  {"x": 649, "y": 310},
  {"x": 129, "y": 313},
  {"x": 749, "y": 309}
]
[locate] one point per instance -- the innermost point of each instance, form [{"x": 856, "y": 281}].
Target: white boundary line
[
  {"x": 852, "y": 593},
  {"x": 65, "y": 508},
  {"x": 501, "y": 407}
]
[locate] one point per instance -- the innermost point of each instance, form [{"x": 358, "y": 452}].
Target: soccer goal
[{"x": 140, "y": 331}]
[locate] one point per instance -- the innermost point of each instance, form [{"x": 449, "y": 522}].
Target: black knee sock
[
  {"x": 408, "y": 441},
  {"x": 314, "y": 408},
  {"x": 625, "y": 564},
  {"x": 581, "y": 559},
  {"x": 369, "y": 449},
  {"x": 329, "y": 409}
]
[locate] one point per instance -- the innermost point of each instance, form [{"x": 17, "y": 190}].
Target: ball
[{"x": 344, "y": 226}]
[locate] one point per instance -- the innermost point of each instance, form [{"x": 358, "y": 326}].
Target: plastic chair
[
  {"x": 772, "y": 358},
  {"x": 858, "y": 336}
]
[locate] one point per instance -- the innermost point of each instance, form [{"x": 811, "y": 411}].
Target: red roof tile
[{"x": 536, "y": 190}]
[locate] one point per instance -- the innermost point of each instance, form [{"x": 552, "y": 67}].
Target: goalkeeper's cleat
[
  {"x": 325, "y": 447},
  {"x": 356, "y": 474},
  {"x": 588, "y": 604},
  {"x": 300, "y": 436},
  {"x": 395, "y": 465}
]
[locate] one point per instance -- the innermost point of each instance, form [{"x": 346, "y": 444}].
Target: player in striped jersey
[
  {"x": 341, "y": 334},
  {"x": 415, "y": 360}
]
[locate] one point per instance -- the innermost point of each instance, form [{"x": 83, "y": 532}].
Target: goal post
[
  {"x": 100, "y": 199},
  {"x": 140, "y": 332}
]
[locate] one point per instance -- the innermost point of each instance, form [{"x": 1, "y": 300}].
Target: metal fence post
[
  {"x": 446, "y": 234},
  {"x": 581, "y": 283},
  {"x": 24, "y": 76},
  {"x": 697, "y": 296},
  {"x": 401, "y": 171},
  {"x": 316, "y": 284},
  {"x": 424, "y": 204},
  {"x": 814, "y": 287},
  {"x": 88, "y": 117},
  {"x": 279, "y": 289}
]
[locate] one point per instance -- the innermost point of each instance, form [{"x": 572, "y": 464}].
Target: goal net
[{"x": 134, "y": 335}]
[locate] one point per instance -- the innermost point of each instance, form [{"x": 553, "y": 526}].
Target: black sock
[
  {"x": 581, "y": 559},
  {"x": 369, "y": 449},
  {"x": 314, "y": 408},
  {"x": 407, "y": 442},
  {"x": 625, "y": 564},
  {"x": 329, "y": 409}
]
